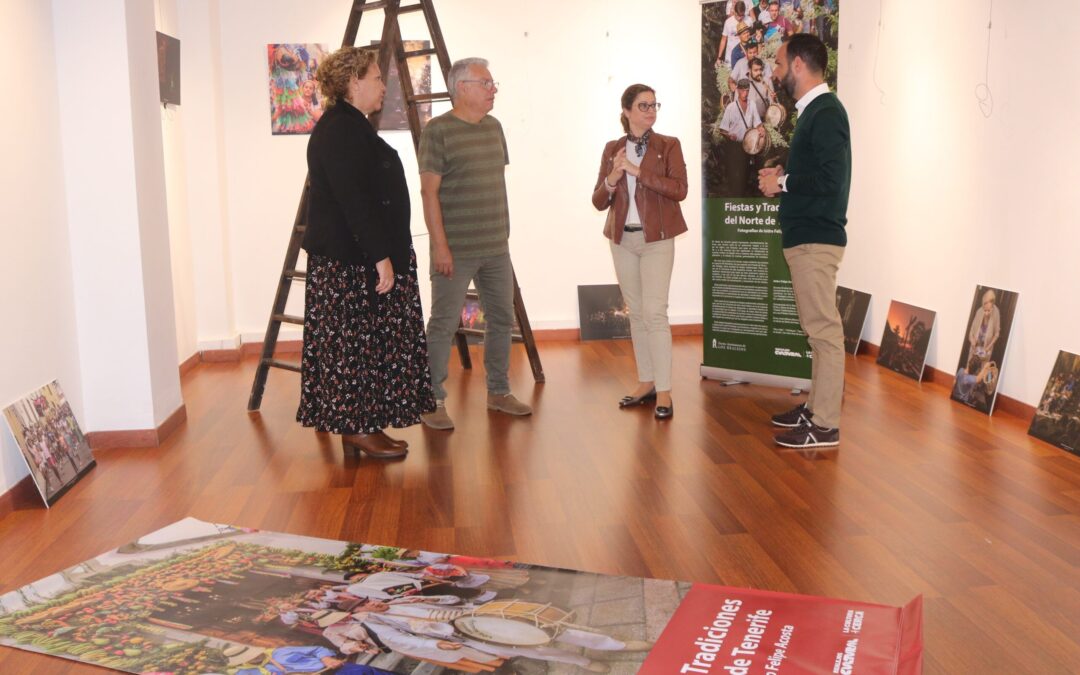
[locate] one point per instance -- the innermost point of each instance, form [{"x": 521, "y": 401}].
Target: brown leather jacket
[{"x": 660, "y": 188}]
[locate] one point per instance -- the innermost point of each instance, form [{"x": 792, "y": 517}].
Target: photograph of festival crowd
[
  {"x": 747, "y": 117},
  {"x": 1057, "y": 419},
  {"x": 51, "y": 442},
  {"x": 295, "y": 101},
  {"x": 199, "y": 598},
  {"x": 602, "y": 312},
  {"x": 985, "y": 342},
  {"x": 906, "y": 339},
  {"x": 472, "y": 318},
  {"x": 394, "y": 116},
  {"x": 853, "y": 306}
]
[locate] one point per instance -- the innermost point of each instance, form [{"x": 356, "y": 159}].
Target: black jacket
[{"x": 358, "y": 204}]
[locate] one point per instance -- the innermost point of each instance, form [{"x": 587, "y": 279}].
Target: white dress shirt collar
[{"x": 809, "y": 96}]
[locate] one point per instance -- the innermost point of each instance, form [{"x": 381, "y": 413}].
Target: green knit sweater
[{"x": 814, "y": 208}]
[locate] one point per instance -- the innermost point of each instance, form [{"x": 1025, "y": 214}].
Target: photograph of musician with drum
[
  {"x": 744, "y": 138},
  {"x": 731, "y": 166},
  {"x": 983, "y": 355}
]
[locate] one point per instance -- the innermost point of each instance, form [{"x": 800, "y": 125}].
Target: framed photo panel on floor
[
  {"x": 986, "y": 339},
  {"x": 906, "y": 339},
  {"x": 1057, "y": 419},
  {"x": 602, "y": 312},
  {"x": 50, "y": 440},
  {"x": 853, "y": 307}
]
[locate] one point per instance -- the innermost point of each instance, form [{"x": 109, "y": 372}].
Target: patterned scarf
[{"x": 640, "y": 144}]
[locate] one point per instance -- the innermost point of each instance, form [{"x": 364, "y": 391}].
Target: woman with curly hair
[{"x": 364, "y": 365}]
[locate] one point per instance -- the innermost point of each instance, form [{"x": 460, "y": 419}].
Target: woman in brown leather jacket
[{"x": 641, "y": 181}]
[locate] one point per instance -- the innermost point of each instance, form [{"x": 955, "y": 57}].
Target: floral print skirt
[{"x": 365, "y": 360}]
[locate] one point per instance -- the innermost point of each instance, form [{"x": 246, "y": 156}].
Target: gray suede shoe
[
  {"x": 508, "y": 404},
  {"x": 438, "y": 419}
]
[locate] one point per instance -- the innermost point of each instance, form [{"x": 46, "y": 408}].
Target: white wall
[
  {"x": 944, "y": 198},
  {"x": 110, "y": 133},
  {"x": 557, "y": 116},
  {"x": 85, "y": 218},
  {"x": 204, "y": 153},
  {"x": 40, "y": 342},
  {"x": 173, "y": 135}
]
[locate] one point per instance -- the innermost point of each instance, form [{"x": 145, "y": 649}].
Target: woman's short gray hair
[{"x": 460, "y": 71}]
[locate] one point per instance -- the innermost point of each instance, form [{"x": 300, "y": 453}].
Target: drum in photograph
[
  {"x": 756, "y": 141},
  {"x": 775, "y": 115},
  {"x": 988, "y": 376},
  {"x": 514, "y": 623}
]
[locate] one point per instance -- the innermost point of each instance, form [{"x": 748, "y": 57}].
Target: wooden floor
[{"x": 923, "y": 496}]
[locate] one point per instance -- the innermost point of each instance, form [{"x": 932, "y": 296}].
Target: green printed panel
[{"x": 750, "y": 321}]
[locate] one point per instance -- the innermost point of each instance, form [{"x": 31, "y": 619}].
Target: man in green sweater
[{"x": 813, "y": 212}]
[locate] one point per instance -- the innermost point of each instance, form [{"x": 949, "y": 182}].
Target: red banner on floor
[{"x": 731, "y": 631}]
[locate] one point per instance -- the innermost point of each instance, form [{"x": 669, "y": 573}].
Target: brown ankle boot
[
  {"x": 377, "y": 445},
  {"x": 393, "y": 441}
]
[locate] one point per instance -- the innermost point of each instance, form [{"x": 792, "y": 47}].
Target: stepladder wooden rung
[
  {"x": 479, "y": 332},
  {"x": 284, "y": 365},
  {"x": 391, "y": 48},
  {"x": 289, "y": 274},
  {"x": 288, "y": 318},
  {"x": 429, "y": 98}
]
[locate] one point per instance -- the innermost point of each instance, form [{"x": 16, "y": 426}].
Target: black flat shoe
[
  {"x": 631, "y": 401},
  {"x": 664, "y": 412}
]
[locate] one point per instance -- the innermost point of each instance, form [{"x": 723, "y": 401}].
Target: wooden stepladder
[{"x": 390, "y": 46}]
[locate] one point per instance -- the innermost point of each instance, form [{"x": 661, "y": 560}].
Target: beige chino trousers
[
  {"x": 644, "y": 274},
  {"x": 813, "y": 279}
]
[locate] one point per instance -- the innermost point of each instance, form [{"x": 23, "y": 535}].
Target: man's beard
[{"x": 788, "y": 83}]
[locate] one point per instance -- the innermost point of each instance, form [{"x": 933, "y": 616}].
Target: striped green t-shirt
[{"x": 472, "y": 159}]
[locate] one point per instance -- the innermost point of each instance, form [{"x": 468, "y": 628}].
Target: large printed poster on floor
[
  {"x": 196, "y": 598},
  {"x": 751, "y": 327}
]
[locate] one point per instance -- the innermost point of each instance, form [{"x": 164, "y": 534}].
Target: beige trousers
[
  {"x": 644, "y": 274},
  {"x": 813, "y": 279}
]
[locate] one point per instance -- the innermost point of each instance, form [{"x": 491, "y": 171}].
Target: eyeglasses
[
  {"x": 646, "y": 107},
  {"x": 486, "y": 84}
]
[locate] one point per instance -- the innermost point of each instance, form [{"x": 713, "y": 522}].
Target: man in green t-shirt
[
  {"x": 463, "y": 160},
  {"x": 813, "y": 214}
]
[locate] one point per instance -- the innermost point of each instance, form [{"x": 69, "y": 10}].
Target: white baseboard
[
  {"x": 285, "y": 335},
  {"x": 219, "y": 345}
]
